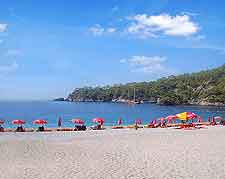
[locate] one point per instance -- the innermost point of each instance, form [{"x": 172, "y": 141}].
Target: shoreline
[{"x": 154, "y": 103}]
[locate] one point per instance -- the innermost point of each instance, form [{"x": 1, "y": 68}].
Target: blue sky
[{"x": 47, "y": 49}]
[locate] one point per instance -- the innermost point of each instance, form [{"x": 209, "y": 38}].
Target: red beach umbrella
[
  {"x": 191, "y": 115},
  {"x": 98, "y": 120},
  {"x": 1, "y": 122},
  {"x": 218, "y": 118},
  {"x": 40, "y": 122},
  {"x": 138, "y": 121},
  {"x": 18, "y": 122},
  {"x": 119, "y": 122},
  {"x": 170, "y": 117},
  {"x": 77, "y": 121}
]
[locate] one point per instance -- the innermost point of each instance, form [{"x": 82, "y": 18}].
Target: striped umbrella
[
  {"x": 98, "y": 120},
  {"x": 40, "y": 122},
  {"x": 77, "y": 121},
  {"x": 18, "y": 122}
]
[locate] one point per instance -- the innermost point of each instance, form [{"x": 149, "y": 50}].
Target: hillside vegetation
[{"x": 204, "y": 88}]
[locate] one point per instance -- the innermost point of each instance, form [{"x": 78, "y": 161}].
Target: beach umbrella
[
  {"x": 218, "y": 118},
  {"x": 138, "y": 121},
  {"x": 1, "y": 122},
  {"x": 162, "y": 119},
  {"x": 154, "y": 122},
  {"x": 40, "y": 122},
  {"x": 191, "y": 115},
  {"x": 119, "y": 122},
  {"x": 184, "y": 116},
  {"x": 18, "y": 122},
  {"x": 170, "y": 118},
  {"x": 77, "y": 121},
  {"x": 98, "y": 120}
]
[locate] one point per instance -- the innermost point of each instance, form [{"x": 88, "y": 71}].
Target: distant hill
[{"x": 203, "y": 88}]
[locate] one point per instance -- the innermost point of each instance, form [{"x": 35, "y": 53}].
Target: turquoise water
[{"x": 87, "y": 111}]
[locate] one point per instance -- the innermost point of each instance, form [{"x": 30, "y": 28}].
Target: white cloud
[
  {"x": 98, "y": 30},
  {"x": 111, "y": 30},
  {"x": 3, "y": 27},
  {"x": 146, "y": 64},
  {"x": 14, "y": 53},
  {"x": 151, "y": 26},
  {"x": 7, "y": 68}
]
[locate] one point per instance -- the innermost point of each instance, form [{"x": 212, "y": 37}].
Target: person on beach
[
  {"x": 136, "y": 126},
  {"x": 59, "y": 122}
]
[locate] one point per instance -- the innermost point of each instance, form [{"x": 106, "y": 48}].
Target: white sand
[{"x": 145, "y": 153}]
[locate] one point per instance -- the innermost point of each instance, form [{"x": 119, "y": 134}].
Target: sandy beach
[{"x": 145, "y": 153}]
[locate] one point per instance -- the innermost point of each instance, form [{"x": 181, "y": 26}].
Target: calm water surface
[{"x": 86, "y": 111}]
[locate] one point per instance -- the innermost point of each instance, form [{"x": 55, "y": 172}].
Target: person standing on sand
[
  {"x": 59, "y": 122},
  {"x": 136, "y": 126}
]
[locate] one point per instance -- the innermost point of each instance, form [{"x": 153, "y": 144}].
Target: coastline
[{"x": 147, "y": 102}]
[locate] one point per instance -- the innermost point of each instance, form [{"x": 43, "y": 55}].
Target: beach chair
[
  {"x": 222, "y": 122},
  {"x": 41, "y": 129},
  {"x": 98, "y": 127},
  {"x": 1, "y": 129},
  {"x": 20, "y": 129},
  {"x": 80, "y": 128}
]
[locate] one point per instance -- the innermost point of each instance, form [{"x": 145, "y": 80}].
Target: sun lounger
[
  {"x": 41, "y": 129},
  {"x": 80, "y": 128},
  {"x": 98, "y": 127},
  {"x": 20, "y": 129},
  {"x": 1, "y": 129},
  {"x": 65, "y": 129},
  {"x": 117, "y": 127}
]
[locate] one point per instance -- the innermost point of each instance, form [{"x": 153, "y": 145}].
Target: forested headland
[{"x": 203, "y": 88}]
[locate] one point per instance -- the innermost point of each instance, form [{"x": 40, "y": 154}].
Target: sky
[{"x": 49, "y": 48}]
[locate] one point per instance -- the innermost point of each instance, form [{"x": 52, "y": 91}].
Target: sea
[{"x": 111, "y": 112}]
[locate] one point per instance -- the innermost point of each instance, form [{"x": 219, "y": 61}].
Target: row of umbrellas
[
  {"x": 42, "y": 121},
  {"x": 185, "y": 116}
]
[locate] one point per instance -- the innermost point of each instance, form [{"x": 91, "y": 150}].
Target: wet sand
[{"x": 126, "y": 153}]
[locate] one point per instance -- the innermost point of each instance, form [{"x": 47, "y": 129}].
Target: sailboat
[{"x": 134, "y": 99}]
